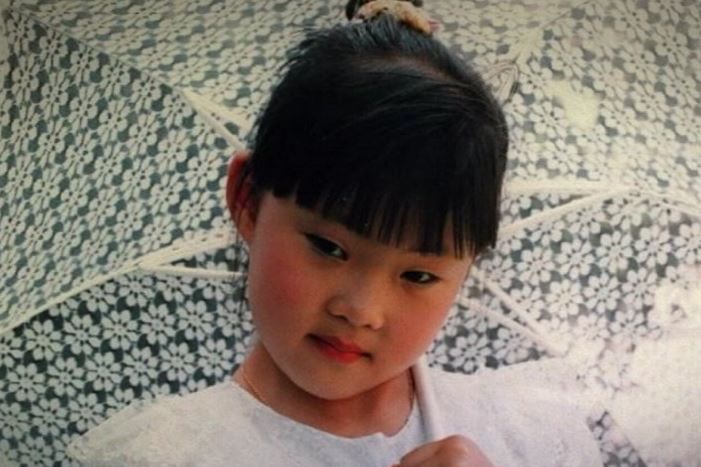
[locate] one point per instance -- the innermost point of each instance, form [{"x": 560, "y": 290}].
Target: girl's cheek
[
  {"x": 282, "y": 275},
  {"x": 421, "y": 318}
]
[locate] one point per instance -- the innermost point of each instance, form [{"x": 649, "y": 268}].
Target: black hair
[{"x": 382, "y": 128}]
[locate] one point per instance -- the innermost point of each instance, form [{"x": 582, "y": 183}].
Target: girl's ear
[{"x": 240, "y": 198}]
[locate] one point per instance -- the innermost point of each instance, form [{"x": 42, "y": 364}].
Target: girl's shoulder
[{"x": 168, "y": 428}]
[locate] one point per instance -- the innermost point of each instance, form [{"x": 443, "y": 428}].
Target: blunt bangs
[{"x": 383, "y": 130}]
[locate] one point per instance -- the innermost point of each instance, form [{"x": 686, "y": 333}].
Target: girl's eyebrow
[
  {"x": 309, "y": 216},
  {"x": 430, "y": 254},
  {"x": 444, "y": 253}
]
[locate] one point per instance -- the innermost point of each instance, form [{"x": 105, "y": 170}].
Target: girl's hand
[{"x": 453, "y": 451}]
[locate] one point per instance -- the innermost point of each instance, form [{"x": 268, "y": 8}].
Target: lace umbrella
[{"x": 577, "y": 267}]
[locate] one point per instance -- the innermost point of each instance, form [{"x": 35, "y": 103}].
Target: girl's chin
[
  {"x": 335, "y": 388},
  {"x": 331, "y": 392}
]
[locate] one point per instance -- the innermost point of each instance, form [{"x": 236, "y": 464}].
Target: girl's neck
[{"x": 383, "y": 409}]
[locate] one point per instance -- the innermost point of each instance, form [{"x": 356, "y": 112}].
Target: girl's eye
[
  {"x": 419, "y": 277},
  {"x": 326, "y": 247}
]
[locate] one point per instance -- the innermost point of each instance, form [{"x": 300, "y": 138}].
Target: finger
[
  {"x": 420, "y": 454},
  {"x": 453, "y": 450}
]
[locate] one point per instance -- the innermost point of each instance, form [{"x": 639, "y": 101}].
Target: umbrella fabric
[
  {"x": 190, "y": 45},
  {"x": 604, "y": 209},
  {"x": 136, "y": 336},
  {"x": 4, "y": 51},
  {"x": 601, "y": 208},
  {"x": 101, "y": 165}
]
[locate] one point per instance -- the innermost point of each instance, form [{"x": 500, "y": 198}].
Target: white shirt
[{"x": 224, "y": 425}]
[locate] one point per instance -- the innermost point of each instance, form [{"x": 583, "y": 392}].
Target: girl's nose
[{"x": 361, "y": 305}]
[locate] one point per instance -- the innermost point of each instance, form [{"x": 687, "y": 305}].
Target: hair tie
[{"x": 405, "y": 11}]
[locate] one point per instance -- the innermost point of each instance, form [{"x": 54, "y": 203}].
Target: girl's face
[{"x": 340, "y": 314}]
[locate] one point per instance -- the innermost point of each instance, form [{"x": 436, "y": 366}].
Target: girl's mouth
[{"x": 338, "y": 349}]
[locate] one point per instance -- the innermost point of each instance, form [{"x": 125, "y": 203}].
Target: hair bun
[{"x": 405, "y": 11}]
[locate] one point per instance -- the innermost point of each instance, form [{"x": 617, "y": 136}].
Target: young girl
[{"x": 373, "y": 183}]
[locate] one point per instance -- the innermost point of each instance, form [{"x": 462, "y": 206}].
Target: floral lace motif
[{"x": 601, "y": 211}]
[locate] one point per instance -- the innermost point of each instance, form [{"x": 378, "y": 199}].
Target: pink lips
[{"x": 338, "y": 349}]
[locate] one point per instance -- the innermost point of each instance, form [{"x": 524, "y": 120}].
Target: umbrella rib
[
  {"x": 219, "y": 238},
  {"x": 200, "y": 273},
  {"x": 557, "y": 212},
  {"x": 507, "y": 70},
  {"x": 72, "y": 292},
  {"x": 205, "y": 107},
  {"x": 511, "y": 324},
  {"x": 153, "y": 262},
  {"x": 211, "y": 106},
  {"x": 561, "y": 186},
  {"x": 510, "y": 229},
  {"x": 535, "y": 332},
  {"x": 569, "y": 187}
]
